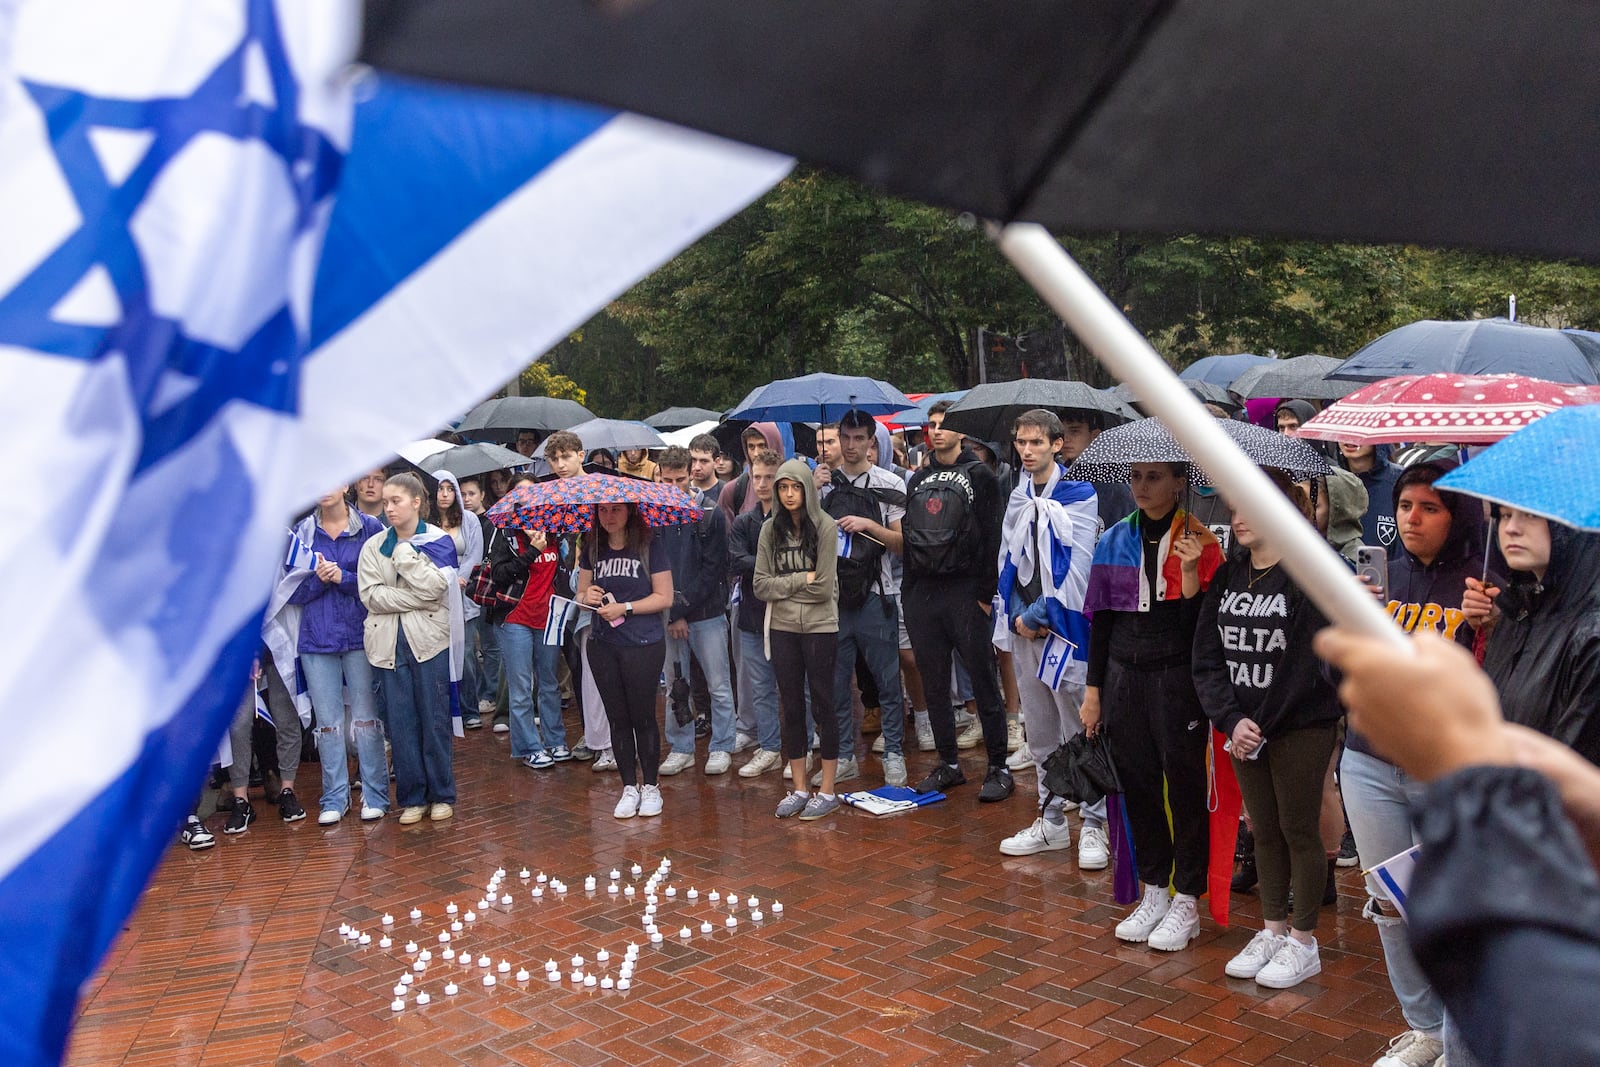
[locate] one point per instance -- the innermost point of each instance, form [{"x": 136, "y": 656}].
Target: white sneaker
[
  {"x": 1178, "y": 927},
  {"x": 847, "y": 769},
  {"x": 676, "y": 763},
  {"x": 763, "y": 761},
  {"x": 1040, "y": 836},
  {"x": 971, "y": 737},
  {"x": 1016, "y": 737},
  {"x": 894, "y": 769},
  {"x": 1254, "y": 956},
  {"x": 650, "y": 800},
  {"x": 718, "y": 763},
  {"x": 628, "y": 806},
  {"x": 1292, "y": 964},
  {"x": 371, "y": 814},
  {"x": 1153, "y": 907},
  {"x": 877, "y": 745},
  {"x": 1411, "y": 1049},
  {"x": 1020, "y": 760},
  {"x": 1094, "y": 850},
  {"x": 788, "y": 769},
  {"x": 329, "y": 816},
  {"x": 485, "y": 707},
  {"x": 925, "y": 742},
  {"x": 604, "y": 760},
  {"x": 743, "y": 741},
  {"x": 502, "y": 728}
]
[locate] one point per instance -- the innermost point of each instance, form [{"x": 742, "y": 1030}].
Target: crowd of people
[{"x": 936, "y": 595}]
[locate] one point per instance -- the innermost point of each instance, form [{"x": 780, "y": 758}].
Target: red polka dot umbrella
[
  {"x": 1466, "y": 409},
  {"x": 566, "y": 505}
]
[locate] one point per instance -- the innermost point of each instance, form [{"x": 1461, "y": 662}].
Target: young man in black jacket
[
  {"x": 757, "y": 684},
  {"x": 951, "y": 573}
]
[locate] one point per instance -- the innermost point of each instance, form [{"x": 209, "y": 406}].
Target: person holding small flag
[
  {"x": 407, "y": 580},
  {"x": 1047, "y": 541}
]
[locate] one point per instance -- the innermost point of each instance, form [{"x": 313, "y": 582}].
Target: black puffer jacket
[{"x": 1544, "y": 652}]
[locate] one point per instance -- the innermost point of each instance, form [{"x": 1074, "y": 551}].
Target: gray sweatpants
[{"x": 283, "y": 713}]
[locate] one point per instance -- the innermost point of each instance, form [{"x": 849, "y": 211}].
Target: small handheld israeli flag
[
  {"x": 562, "y": 612},
  {"x": 261, "y": 710},
  {"x": 300, "y": 556},
  {"x": 1053, "y": 659},
  {"x": 1394, "y": 875},
  {"x": 845, "y": 541}
]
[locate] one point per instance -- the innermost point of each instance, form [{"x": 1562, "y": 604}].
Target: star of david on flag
[
  {"x": 235, "y": 273},
  {"x": 1053, "y": 659}
]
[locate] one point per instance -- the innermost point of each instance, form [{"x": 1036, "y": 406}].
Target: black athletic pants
[
  {"x": 941, "y": 618},
  {"x": 799, "y": 660},
  {"x": 627, "y": 677}
]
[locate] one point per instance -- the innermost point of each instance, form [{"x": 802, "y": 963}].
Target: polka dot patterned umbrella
[
  {"x": 1110, "y": 457},
  {"x": 1466, "y": 409},
  {"x": 566, "y": 505}
]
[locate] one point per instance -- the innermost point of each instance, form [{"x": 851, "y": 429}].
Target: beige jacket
[{"x": 402, "y": 589}]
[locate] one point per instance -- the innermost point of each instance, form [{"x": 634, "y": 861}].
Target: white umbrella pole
[{"x": 1325, "y": 578}]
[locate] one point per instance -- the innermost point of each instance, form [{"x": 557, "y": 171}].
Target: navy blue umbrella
[
  {"x": 1221, "y": 370},
  {"x": 1483, "y": 346},
  {"x": 820, "y": 397}
]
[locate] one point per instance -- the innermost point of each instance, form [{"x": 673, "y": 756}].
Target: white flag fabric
[
  {"x": 563, "y": 610},
  {"x": 225, "y": 286},
  {"x": 1394, "y": 874},
  {"x": 1054, "y": 659}
]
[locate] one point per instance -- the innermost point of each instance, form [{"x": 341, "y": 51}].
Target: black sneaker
[
  {"x": 289, "y": 808},
  {"x": 1347, "y": 851},
  {"x": 997, "y": 785},
  {"x": 240, "y": 818},
  {"x": 702, "y": 726},
  {"x": 1244, "y": 862},
  {"x": 196, "y": 836},
  {"x": 942, "y": 778}
]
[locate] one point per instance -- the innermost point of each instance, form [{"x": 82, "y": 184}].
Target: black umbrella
[
  {"x": 500, "y": 419},
  {"x": 679, "y": 418},
  {"x": 730, "y": 436},
  {"x": 1110, "y": 457},
  {"x": 1206, "y": 392},
  {"x": 464, "y": 461},
  {"x": 1358, "y": 120},
  {"x": 1299, "y": 378},
  {"x": 988, "y": 411},
  {"x": 1483, "y": 346}
]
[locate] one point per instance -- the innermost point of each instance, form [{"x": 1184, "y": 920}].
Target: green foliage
[{"x": 823, "y": 274}]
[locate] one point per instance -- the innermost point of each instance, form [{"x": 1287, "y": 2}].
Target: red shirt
[{"x": 534, "y": 608}]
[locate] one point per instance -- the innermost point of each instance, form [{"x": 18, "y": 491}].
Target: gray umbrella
[
  {"x": 464, "y": 461},
  {"x": 500, "y": 419},
  {"x": 1111, "y": 456},
  {"x": 1299, "y": 378},
  {"x": 618, "y": 435},
  {"x": 1208, "y": 392},
  {"x": 679, "y": 418},
  {"x": 987, "y": 412}
]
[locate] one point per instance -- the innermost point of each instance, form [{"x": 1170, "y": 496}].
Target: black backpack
[
  {"x": 861, "y": 567},
  {"x": 941, "y": 523}
]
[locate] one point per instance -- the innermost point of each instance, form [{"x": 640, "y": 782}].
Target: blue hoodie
[{"x": 1378, "y": 525}]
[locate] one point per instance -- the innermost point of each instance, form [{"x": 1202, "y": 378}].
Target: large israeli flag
[{"x": 177, "y": 178}]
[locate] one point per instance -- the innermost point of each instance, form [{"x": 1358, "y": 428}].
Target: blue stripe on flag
[
  {"x": 1053, "y": 659},
  {"x": 467, "y": 150}
]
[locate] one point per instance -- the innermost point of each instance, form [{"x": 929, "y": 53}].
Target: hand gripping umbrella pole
[{"x": 1041, "y": 260}]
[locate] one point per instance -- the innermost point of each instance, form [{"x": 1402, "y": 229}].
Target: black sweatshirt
[
  {"x": 989, "y": 508},
  {"x": 1252, "y": 653},
  {"x": 1148, "y": 640}
]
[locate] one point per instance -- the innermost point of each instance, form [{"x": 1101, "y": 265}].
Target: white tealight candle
[
  {"x": 456, "y": 926},
  {"x": 524, "y": 875},
  {"x": 714, "y": 897},
  {"x": 411, "y": 946},
  {"x": 650, "y": 898},
  {"x": 522, "y": 974},
  {"x": 628, "y": 891},
  {"x": 344, "y": 929},
  {"x": 484, "y": 961},
  {"x": 385, "y": 941},
  {"x": 424, "y": 956},
  {"x": 352, "y": 933},
  {"x": 633, "y": 949},
  {"x": 672, "y": 890},
  {"x": 612, "y": 888},
  {"x": 448, "y": 953},
  {"x": 655, "y": 937},
  {"x": 451, "y": 989},
  {"x": 444, "y": 937},
  {"x": 365, "y": 939},
  {"x": 499, "y": 873},
  {"x": 694, "y": 893},
  {"x": 577, "y": 961},
  {"x": 615, "y": 874},
  {"x": 649, "y": 909},
  {"x": 554, "y": 976},
  {"x": 622, "y": 983},
  {"x": 685, "y": 932},
  {"x": 666, "y": 863},
  {"x": 730, "y": 922},
  {"x": 590, "y": 981},
  {"x": 538, "y": 891},
  {"x": 505, "y": 898},
  {"x": 605, "y": 983},
  {"x": 422, "y": 997},
  {"x": 561, "y": 887},
  {"x": 550, "y": 965},
  {"x": 777, "y": 907},
  {"x": 504, "y": 968},
  {"x": 541, "y": 879},
  {"x": 405, "y": 978},
  {"x": 705, "y": 927},
  {"x": 602, "y": 956},
  {"x": 471, "y": 916},
  {"x": 483, "y": 904},
  {"x": 397, "y": 1004},
  {"x": 388, "y": 920},
  {"x": 488, "y": 979},
  {"x": 756, "y": 915},
  {"x": 420, "y": 966},
  {"x": 450, "y": 908},
  {"x": 399, "y": 990},
  {"x": 753, "y": 902},
  {"x": 416, "y": 913},
  {"x": 588, "y": 884},
  {"x": 577, "y": 976},
  {"x": 637, "y": 870}
]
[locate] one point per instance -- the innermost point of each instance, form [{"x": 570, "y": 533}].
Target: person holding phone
[
  {"x": 626, "y": 578},
  {"x": 1258, "y": 682}
]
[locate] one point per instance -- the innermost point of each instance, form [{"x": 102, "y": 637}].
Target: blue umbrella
[
  {"x": 1483, "y": 346},
  {"x": 1221, "y": 370},
  {"x": 823, "y": 397},
  {"x": 1551, "y": 468}
]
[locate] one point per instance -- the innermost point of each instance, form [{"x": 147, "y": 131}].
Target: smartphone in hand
[
  {"x": 1372, "y": 563},
  {"x": 607, "y": 598}
]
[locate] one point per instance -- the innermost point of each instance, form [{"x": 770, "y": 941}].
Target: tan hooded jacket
[{"x": 795, "y": 605}]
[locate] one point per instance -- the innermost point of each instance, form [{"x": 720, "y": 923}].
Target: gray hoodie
[{"x": 795, "y": 605}]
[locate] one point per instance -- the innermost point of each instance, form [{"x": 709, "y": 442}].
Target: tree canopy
[{"x": 822, "y": 274}]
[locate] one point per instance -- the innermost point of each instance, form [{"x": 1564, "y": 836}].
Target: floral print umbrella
[{"x": 566, "y": 505}]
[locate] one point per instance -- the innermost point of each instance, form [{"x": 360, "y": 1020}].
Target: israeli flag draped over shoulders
[{"x": 231, "y": 276}]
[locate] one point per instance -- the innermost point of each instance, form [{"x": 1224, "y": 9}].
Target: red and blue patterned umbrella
[{"x": 566, "y": 505}]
